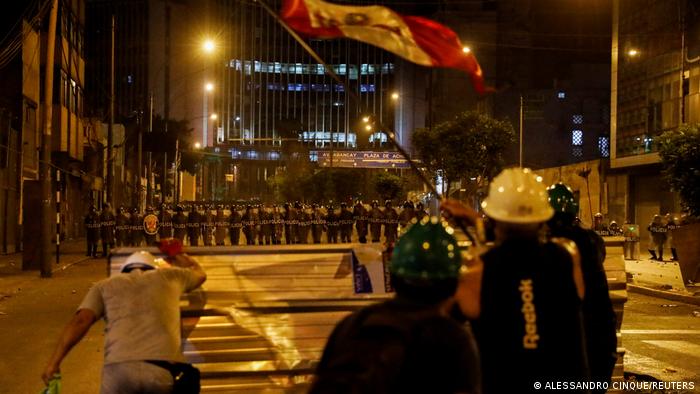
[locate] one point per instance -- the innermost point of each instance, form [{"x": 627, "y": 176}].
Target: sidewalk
[
  {"x": 33, "y": 312},
  {"x": 660, "y": 279}
]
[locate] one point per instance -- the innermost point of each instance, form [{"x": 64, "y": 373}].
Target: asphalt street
[{"x": 662, "y": 339}]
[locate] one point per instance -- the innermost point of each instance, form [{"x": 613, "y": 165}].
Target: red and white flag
[{"x": 419, "y": 40}]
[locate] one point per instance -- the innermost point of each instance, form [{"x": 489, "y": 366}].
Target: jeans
[{"x": 132, "y": 377}]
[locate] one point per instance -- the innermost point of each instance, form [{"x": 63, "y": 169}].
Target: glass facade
[{"x": 269, "y": 89}]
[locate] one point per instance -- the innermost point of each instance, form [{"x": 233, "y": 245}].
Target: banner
[{"x": 362, "y": 159}]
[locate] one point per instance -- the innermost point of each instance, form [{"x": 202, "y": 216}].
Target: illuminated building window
[
  {"x": 577, "y": 119},
  {"x": 561, "y": 95},
  {"x": 604, "y": 146},
  {"x": 577, "y": 137},
  {"x": 577, "y": 151}
]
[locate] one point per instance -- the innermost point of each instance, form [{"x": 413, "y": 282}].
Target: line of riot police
[{"x": 261, "y": 224}]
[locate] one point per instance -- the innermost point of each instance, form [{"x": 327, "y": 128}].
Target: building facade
[
  {"x": 270, "y": 94},
  {"x": 655, "y": 84}
]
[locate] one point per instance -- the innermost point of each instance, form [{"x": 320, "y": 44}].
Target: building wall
[
  {"x": 649, "y": 94},
  {"x": 653, "y": 91},
  {"x": 590, "y": 190}
]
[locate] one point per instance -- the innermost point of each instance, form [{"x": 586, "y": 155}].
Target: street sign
[{"x": 362, "y": 159}]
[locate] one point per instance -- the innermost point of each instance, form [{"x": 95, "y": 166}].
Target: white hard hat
[
  {"x": 517, "y": 195},
  {"x": 142, "y": 260}
]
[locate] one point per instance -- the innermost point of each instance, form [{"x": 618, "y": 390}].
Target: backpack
[{"x": 367, "y": 353}]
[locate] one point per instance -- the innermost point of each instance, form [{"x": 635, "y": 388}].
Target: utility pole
[
  {"x": 110, "y": 159},
  {"x": 166, "y": 101},
  {"x": 139, "y": 160},
  {"x": 45, "y": 174},
  {"x": 521, "y": 131},
  {"x": 149, "y": 168}
]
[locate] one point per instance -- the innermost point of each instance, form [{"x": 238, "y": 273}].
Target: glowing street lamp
[
  {"x": 368, "y": 127},
  {"x": 466, "y": 49},
  {"x": 633, "y": 52},
  {"x": 213, "y": 116},
  {"x": 208, "y": 46},
  {"x": 365, "y": 119},
  {"x": 197, "y": 145},
  {"x": 209, "y": 87},
  {"x": 395, "y": 96}
]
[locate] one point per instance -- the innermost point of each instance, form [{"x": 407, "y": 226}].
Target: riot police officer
[
  {"x": 122, "y": 227},
  {"x": 278, "y": 225},
  {"x": 249, "y": 221},
  {"x": 234, "y": 226},
  {"x": 194, "y": 229},
  {"x": 407, "y": 214},
  {"x": 221, "y": 225},
  {"x": 599, "y": 225},
  {"x": 207, "y": 223},
  {"x": 657, "y": 237},
  {"x": 290, "y": 224},
  {"x": 107, "y": 223},
  {"x": 391, "y": 222},
  {"x": 614, "y": 229},
  {"x": 150, "y": 226},
  {"x": 332, "y": 224},
  {"x": 376, "y": 216},
  {"x": 166, "y": 222},
  {"x": 304, "y": 218},
  {"x": 672, "y": 224},
  {"x": 136, "y": 227},
  {"x": 92, "y": 231},
  {"x": 346, "y": 223},
  {"x": 317, "y": 223},
  {"x": 180, "y": 224},
  {"x": 267, "y": 227},
  {"x": 360, "y": 216}
]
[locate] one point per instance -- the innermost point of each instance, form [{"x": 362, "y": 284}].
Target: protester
[
  {"x": 141, "y": 308},
  {"x": 599, "y": 318},
  {"x": 408, "y": 344},
  {"x": 524, "y": 294}
]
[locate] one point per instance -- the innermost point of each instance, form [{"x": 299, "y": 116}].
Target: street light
[
  {"x": 395, "y": 96},
  {"x": 466, "y": 49},
  {"x": 208, "y": 46},
  {"x": 197, "y": 145},
  {"x": 632, "y": 52},
  {"x": 213, "y": 116},
  {"x": 365, "y": 119},
  {"x": 368, "y": 127},
  {"x": 209, "y": 87}
]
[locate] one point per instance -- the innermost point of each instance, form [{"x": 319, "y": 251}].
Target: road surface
[{"x": 662, "y": 339}]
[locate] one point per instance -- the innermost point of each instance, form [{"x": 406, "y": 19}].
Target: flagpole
[{"x": 387, "y": 131}]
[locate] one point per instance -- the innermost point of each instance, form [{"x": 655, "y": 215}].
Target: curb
[{"x": 669, "y": 295}]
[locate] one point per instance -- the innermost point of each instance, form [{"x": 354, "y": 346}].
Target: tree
[
  {"x": 468, "y": 148},
  {"x": 387, "y": 185},
  {"x": 680, "y": 157}
]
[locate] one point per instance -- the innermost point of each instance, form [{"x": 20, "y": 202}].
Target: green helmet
[
  {"x": 561, "y": 198},
  {"x": 427, "y": 250}
]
